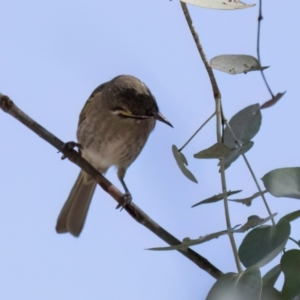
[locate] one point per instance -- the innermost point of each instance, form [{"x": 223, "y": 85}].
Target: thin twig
[
  {"x": 228, "y": 223},
  {"x": 216, "y": 91},
  {"x": 212, "y": 78},
  {"x": 259, "y": 189},
  {"x": 220, "y": 120},
  {"x": 9, "y": 107},
  {"x": 260, "y": 18},
  {"x": 297, "y": 242},
  {"x": 197, "y": 131},
  {"x": 252, "y": 174}
]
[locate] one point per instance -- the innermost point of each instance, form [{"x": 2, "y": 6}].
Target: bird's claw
[
  {"x": 68, "y": 146},
  {"x": 127, "y": 198}
]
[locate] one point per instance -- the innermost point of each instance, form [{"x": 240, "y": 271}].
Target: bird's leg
[
  {"x": 127, "y": 196},
  {"x": 70, "y": 145}
]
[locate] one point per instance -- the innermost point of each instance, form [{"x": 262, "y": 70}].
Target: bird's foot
[
  {"x": 68, "y": 146},
  {"x": 127, "y": 198}
]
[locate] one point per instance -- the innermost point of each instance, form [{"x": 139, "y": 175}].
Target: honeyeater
[{"x": 113, "y": 128}]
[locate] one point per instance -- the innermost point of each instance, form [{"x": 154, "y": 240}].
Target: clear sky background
[{"x": 52, "y": 56}]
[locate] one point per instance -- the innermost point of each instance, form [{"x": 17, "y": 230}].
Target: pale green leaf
[
  {"x": 254, "y": 221},
  {"x": 187, "y": 242},
  {"x": 247, "y": 201},
  {"x": 245, "y": 124},
  {"x": 218, "y": 150},
  {"x": 181, "y": 162},
  {"x": 232, "y": 286},
  {"x": 283, "y": 182},
  {"x": 236, "y": 64},
  {"x": 236, "y": 152},
  {"x": 264, "y": 243},
  {"x": 216, "y": 198},
  {"x": 219, "y": 4}
]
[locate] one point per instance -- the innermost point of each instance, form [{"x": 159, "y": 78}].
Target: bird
[{"x": 113, "y": 128}]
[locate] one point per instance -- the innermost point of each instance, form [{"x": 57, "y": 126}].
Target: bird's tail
[{"x": 73, "y": 214}]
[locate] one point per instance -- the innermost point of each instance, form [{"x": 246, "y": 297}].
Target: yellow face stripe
[{"x": 127, "y": 113}]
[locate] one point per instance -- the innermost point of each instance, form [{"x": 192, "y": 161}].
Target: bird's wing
[{"x": 89, "y": 103}]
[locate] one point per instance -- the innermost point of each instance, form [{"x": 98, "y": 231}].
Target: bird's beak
[{"x": 161, "y": 118}]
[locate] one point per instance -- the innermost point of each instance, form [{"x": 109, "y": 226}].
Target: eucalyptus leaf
[
  {"x": 183, "y": 158},
  {"x": 181, "y": 162},
  {"x": 235, "y": 153},
  {"x": 283, "y": 182},
  {"x": 236, "y": 64},
  {"x": 219, "y": 4},
  {"x": 271, "y": 277},
  {"x": 270, "y": 293},
  {"x": 273, "y": 101},
  {"x": 290, "y": 265},
  {"x": 254, "y": 221},
  {"x": 231, "y": 286},
  {"x": 187, "y": 242},
  {"x": 264, "y": 243},
  {"x": 218, "y": 150},
  {"x": 292, "y": 216},
  {"x": 216, "y": 198},
  {"x": 247, "y": 201},
  {"x": 245, "y": 124}
]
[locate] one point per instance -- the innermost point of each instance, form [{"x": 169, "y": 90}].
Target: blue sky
[{"x": 52, "y": 56}]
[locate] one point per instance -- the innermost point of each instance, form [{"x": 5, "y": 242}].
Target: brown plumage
[{"x": 113, "y": 128}]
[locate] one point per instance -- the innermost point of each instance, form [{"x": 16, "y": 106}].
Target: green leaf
[
  {"x": 219, "y": 4},
  {"x": 245, "y": 124},
  {"x": 236, "y": 64},
  {"x": 292, "y": 216},
  {"x": 232, "y": 286},
  {"x": 290, "y": 265},
  {"x": 254, "y": 221},
  {"x": 181, "y": 162},
  {"x": 216, "y": 198},
  {"x": 218, "y": 150},
  {"x": 270, "y": 293},
  {"x": 271, "y": 277},
  {"x": 248, "y": 201},
  {"x": 264, "y": 243},
  {"x": 283, "y": 182},
  {"x": 183, "y": 158},
  {"x": 236, "y": 152},
  {"x": 187, "y": 242}
]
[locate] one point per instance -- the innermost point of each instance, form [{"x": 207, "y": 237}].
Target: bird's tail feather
[{"x": 73, "y": 214}]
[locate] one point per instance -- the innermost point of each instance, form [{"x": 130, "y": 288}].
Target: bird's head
[{"x": 131, "y": 98}]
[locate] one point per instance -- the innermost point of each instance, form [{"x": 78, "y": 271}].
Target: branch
[
  {"x": 220, "y": 121},
  {"x": 260, "y": 18},
  {"x": 134, "y": 211},
  {"x": 216, "y": 91},
  {"x": 215, "y": 88}
]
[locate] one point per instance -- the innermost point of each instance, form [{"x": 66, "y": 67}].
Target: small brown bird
[{"x": 113, "y": 128}]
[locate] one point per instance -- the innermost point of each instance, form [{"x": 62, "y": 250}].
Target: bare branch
[
  {"x": 260, "y": 18},
  {"x": 134, "y": 211},
  {"x": 220, "y": 121}
]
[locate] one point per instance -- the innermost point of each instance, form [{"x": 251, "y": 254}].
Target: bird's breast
[{"x": 114, "y": 141}]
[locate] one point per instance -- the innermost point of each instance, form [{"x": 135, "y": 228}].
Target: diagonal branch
[{"x": 134, "y": 211}]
